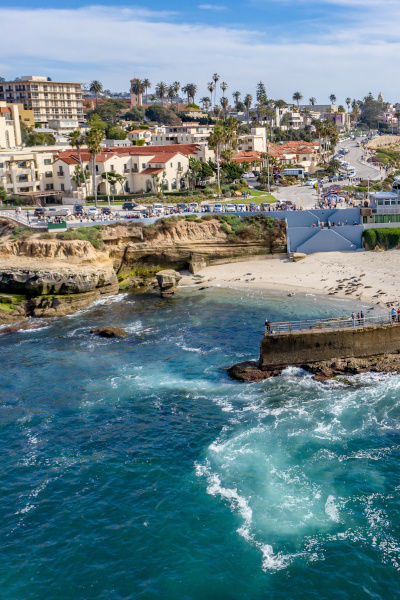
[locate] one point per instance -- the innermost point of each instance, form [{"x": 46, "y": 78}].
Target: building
[
  {"x": 10, "y": 128},
  {"x": 135, "y": 98},
  {"x": 26, "y": 115},
  {"x": 140, "y": 137},
  {"x": 26, "y": 170},
  {"x": 255, "y": 141},
  {"x": 51, "y": 101}
]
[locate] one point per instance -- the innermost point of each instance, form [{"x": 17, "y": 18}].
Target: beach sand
[{"x": 372, "y": 277}]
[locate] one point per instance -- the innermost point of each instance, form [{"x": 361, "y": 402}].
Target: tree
[
  {"x": 39, "y": 139},
  {"x": 224, "y": 87},
  {"x": 224, "y": 104},
  {"x": 137, "y": 87},
  {"x": 348, "y": 102},
  {"x": 312, "y": 101},
  {"x": 113, "y": 178},
  {"x": 76, "y": 140},
  {"x": 371, "y": 110},
  {"x": 240, "y": 107},
  {"x": 96, "y": 88},
  {"x": 341, "y": 109},
  {"x": 332, "y": 99},
  {"x": 190, "y": 89},
  {"x": 211, "y": 88},
  {"x": 116, "y": 133},
  {"x": 96, "y": 123},
  {"x": 136, "y": 113},
  {"x": 109, "y": 110},
  {"x": 236, "y": 96},
  {"x": 261, "y": 93},
  {"x": 162, "y": 115},
  {"x": 247, "y": 102},
  {"x": 94, "y": 137},
  {"x": 146, "y": 86},
  {"x": 297, "y": 97},
  {"x": 215, "y": 79},
  {"x": 161, "y": 89},
  {"x": 170, "y": 93},
  {"x": 177, "y": 87},
  {"x": 79, "y": 176},
  {"x": 205, "y": 101},
  {"x": 3, "y": 194}
]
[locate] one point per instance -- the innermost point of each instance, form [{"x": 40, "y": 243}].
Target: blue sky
[{"x": 317, "y": 47}]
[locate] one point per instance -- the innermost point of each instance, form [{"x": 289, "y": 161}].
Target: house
[{"x": 140, "y": 137}]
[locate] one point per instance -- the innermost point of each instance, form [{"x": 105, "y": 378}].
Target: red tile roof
[{"x": 151, "y": 171}]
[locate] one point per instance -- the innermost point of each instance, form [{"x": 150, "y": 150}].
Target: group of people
[{"x": 357, "y": 319}]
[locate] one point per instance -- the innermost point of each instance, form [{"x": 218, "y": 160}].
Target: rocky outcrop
[
  {"x": 110, "y": 332},
  {"x": 168, "y": 282}
]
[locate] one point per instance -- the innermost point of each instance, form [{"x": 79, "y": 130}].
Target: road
[{"x": 305, "y": 197}]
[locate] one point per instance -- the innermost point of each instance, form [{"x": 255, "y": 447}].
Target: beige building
[
  {"x": 26, "y": 115},
  {"x": 10, "y": 129},
  {"x": 26, "y": 171},
  {"x": 255, "y": 141},
  {"x": 49, "y": 100},
  {"x": 137, "y": 135}
]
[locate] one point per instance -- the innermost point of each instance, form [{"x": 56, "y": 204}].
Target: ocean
[{"x": 137, "y": 469}]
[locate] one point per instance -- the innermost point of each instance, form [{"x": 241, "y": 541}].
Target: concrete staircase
[{"x": 325, "y": 240}]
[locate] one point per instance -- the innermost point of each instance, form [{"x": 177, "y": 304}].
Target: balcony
[{"x": 60, "y": 173}]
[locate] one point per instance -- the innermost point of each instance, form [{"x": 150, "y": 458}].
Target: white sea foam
[{"x": 332, "y": 510}]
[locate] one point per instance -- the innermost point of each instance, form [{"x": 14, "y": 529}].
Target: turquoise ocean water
[{"x": 136, "y": 469}]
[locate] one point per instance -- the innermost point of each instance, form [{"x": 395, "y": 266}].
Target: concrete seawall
[
  {"x": 304, "y": 347},
  {"x": 326, "y": 353}
]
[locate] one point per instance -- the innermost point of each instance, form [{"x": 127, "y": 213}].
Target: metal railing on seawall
[{"x": 333, "y": 323}]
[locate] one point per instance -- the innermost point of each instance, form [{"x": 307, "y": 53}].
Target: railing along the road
[
  {"x": 333, "y": 323},
  {"x": 22, "y": 219}
]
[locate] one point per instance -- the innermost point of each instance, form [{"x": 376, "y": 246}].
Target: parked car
[
  {"x": 311, "y": 181},
  {"x": 78, "y": 209},
  {"x": 230, "y": 208},
  {"x": 358, "y": 145},
  {"x": 38, "y": 212},
  {"x": 218, "y": 208},
  {"x": 265, "y": 206},
  {"x": 241, "y": 207},
  {"x": 334, "y": 178},
  {"x": 206, "y": 208},
  {"x": 93, "y": 212},
  {"x": 128, "y": 205},
  {"x": 182, "y": 206},
  {"x": 106, "y": 210},
  {"x": 57, "y": 211},
  {"x": 194, "y": 206},
  {"x": 158, "y": 207},
  {"x": 254, "y": 206},
  {"x": 342, "y": 177},
  {"x": 249, "y": 175}
]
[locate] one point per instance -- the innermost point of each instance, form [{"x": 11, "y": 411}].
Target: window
[
  {"x": 97, "y": 168},
  {"x": 112, "y": 168},
  {"x": 179, "y": 165},
  {"x": 49, "y": 186},
  {"x": 47, "y": 162},
  {"x": 48, "y": 174},
  {"x": 62, "y": 187},
  {"x": 143, "y": 165}
]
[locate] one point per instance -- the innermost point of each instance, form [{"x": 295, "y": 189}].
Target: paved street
[{"x": 306, "y": 197}]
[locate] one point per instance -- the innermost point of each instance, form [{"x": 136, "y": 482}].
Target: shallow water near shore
[{"x": 135, "y": 468}]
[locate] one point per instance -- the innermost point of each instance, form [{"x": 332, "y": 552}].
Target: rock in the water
[
  {"x": 22, "y": 326},
  {"x": 110, "y": 332},
  {"x": 298, "y": 256},
  {"x": 168, "y": 281}
]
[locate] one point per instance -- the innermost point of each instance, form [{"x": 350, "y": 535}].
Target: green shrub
[
  {"x": 86, "y": 234},
  {"x": 21, "y": 233},
  {"x": 47, "y": 236},
  {"x": 384, "y": 238}
]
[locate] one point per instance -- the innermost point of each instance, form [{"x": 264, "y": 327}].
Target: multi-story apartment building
[
  {"x": 51, "y": 101},
  {"x": 255, "y": 141},
  {"x": 26, "y": 171},
  {"x": 10, "y": 129}
]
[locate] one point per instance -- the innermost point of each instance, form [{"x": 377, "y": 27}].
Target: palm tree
[
  {"x": 170, "y": 93},
  {"x": 332, "y": 98},
  {"x": 217, "y": 111},
  {"x": 279, "y": 104},
  {"x": 137, "y": 87},
  {"x": 211, "y": 88},
  {"x": 247, "y": 102},
  {"x": 94, "y": 137},
  {"x": 215, "y": 79},
  {"x": 224, "y": 103},
  {"x": 348, "y": 102},
  {"x": 186, "y": 91},
  {"x": 236, "y": 96},
  {"x": 76, "y": 140},
  {"x": 177, "y": 87},
  {"x": 96, "y": 88},
  {"x": 224, "y": 87},
  {"x": 161, "y": 89},
  {"x": 146, "y": 85},
  {"x": 297, "y": 97},
  {"x": 205, "y": 101},
  {"x": 192, "y": 90},
  {"x": 312, "y": 101}
]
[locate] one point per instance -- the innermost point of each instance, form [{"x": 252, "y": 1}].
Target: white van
[
  {"x": 218, "y": 208},
  {"x": 158, "y": 207},
  {"x": 241, "y": 207},
  {"x": 230, "y": 208}
]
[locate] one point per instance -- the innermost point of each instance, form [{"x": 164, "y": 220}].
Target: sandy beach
[{"x": 366, "y": 276}]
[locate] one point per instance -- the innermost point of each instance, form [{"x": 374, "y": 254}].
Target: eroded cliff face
[
  {"x": 50, "y": 277},
  {"x": 182, "y": 244}
]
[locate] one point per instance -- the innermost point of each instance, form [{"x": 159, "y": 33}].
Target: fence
[{"x": 333, "y": 323}]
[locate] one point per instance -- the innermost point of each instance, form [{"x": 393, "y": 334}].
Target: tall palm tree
[
  {"x": 312, "y": 101},
  {"x": 192, "y": 90},
  {"x": 211, "y": 88},
  {"x": 186, "y": 90},
  {"x": 297, "y": 96},
  {"x": 177, "y": 87},
  {"x": 94, "y": 137},
  {"x": 332, "y": 98},
  {"x": 224, "y": 104},
  {"x": 236, "y": 96},
  {"x": 76, "y": 140},
  {"x": 215, "y": 79},
  {"x": 170, "y": 93},
  {"x": 348, "y": 102},
  {"x": 224, "y": 87},
  {"x": 96, "y": 88},
  {"x": 217, "y": 111},
  {"x": 278, "y": 105},
  {"x": 161, "y": 89},
  {"x": 146, "y": 85},
  {"x": 247, "y": 102}
]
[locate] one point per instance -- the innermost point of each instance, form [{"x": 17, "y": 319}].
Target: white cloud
[
  {"x": 115, "y": 44},
  {"x": 212, "y": 7}
]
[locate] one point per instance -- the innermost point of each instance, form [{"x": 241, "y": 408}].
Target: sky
[{"x": 317, "y": 47}]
